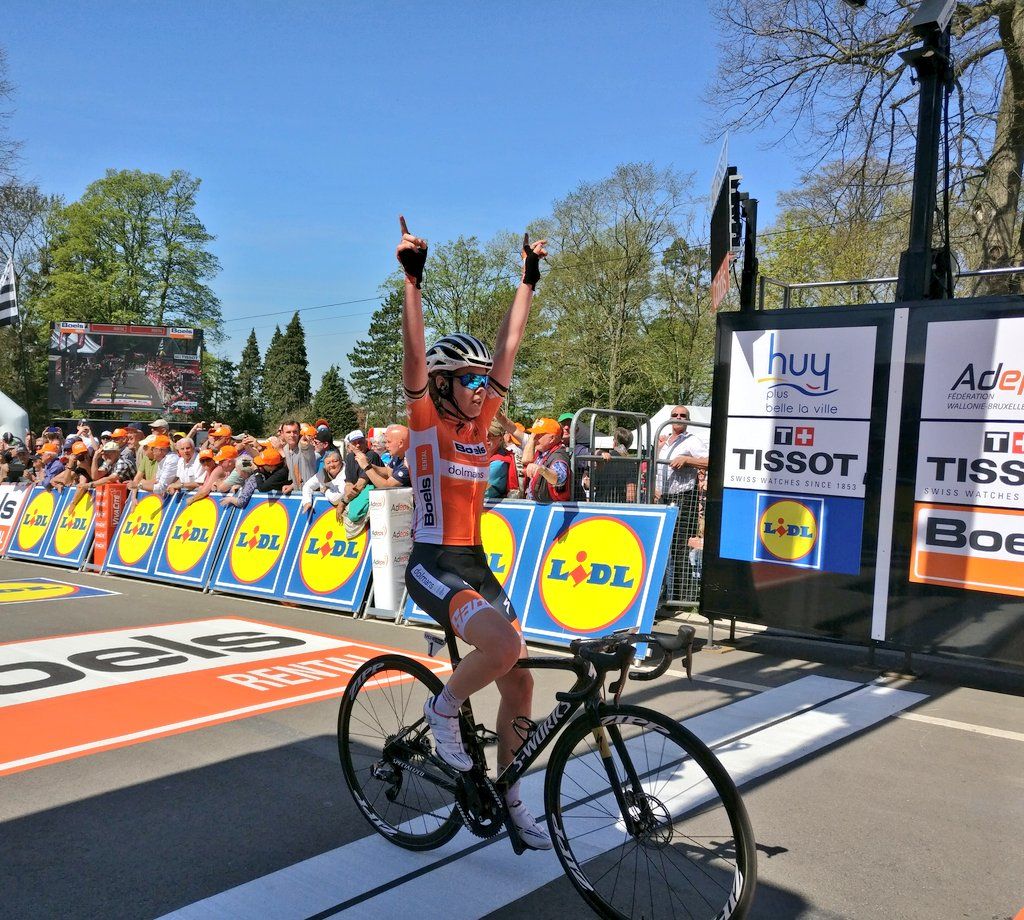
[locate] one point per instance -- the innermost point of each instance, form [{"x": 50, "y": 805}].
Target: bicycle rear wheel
[
  {"x": 684, "y": 847},
  {"x": 387, "y": 754}
]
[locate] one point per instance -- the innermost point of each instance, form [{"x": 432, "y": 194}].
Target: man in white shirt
[
  {"x": 189, "y": 470},
  {"x": 330, "y": 481},
  {"x": 681, "y": 457},
  {"x": 166, "y": 465}
]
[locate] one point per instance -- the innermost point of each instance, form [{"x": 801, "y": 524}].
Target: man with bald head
[{"x": 395, "y": 473}]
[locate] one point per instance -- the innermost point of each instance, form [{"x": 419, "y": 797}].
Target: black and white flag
[{"x": 8, "y": 296}]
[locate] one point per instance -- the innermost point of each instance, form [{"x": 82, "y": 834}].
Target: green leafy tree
[
  {"x": 332, "y": 402},
  {"x": 251, "y": 398},
  {"x": 376, "y": 363},
  {"x": 133, "y": 250}
]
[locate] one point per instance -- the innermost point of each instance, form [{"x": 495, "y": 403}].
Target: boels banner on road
[
  {"x": 578, "y": 570},
  {"x": 187, "y": 551}
]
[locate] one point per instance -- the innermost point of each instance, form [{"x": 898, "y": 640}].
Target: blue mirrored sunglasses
[{"x": 472, "y": 381}]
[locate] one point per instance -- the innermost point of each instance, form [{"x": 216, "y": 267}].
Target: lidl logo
[
  {"x": 807, "y": 372},
  {"x": 35, "y": 521},
  {"x": 328, "y": 559},
  {"x": 191, "y": 534},
  {"x": 259, "y": 542},
  {"x": 74, "y": 526},
  {"x": 788, "y": 530},
  {"x": 499, "y": 544},
  {"x": 44, "y": 589},
  {"x": 139, "y": 529},
  {"x": 592, "y": 574}
]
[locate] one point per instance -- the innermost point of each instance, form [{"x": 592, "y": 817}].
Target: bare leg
[
  {"x": 516, "y": 689},
  {"x": 497, "y": 648}
]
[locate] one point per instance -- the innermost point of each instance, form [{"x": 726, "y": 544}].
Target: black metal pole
[
  {"x": 748, "y": 279},
  {"x": 931, "y": 63}
]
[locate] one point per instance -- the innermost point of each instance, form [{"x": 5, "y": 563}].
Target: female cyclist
[{"x": 454, "y": 389}]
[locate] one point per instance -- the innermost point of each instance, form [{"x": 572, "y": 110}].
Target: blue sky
[{"x": 312, "y": 125}]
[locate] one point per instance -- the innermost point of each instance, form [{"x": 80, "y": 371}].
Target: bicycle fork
[{"x": 607, "y": 738}]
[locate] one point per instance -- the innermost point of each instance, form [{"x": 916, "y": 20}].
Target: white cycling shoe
[
  {"x": 532, "y": 834},
  {"x": 447, "y": 739}
]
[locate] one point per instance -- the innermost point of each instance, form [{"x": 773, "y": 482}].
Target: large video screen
[{"x": 134, "y": 368}]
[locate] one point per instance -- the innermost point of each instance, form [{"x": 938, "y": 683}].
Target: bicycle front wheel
[
  {"x": 387, "y": 755},
  {"x": 645, "y": 820}
]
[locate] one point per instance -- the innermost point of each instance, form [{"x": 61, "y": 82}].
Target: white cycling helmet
[{"x": 458, "y": 350}]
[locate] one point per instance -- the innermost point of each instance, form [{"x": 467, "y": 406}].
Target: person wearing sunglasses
[{"x": 454, "y": 390}]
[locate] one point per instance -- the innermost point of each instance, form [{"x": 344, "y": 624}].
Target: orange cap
[
  {"x": 545, "y": 426},
  {"x": 227, "y": 452},
  {"x": 221, "y": 431},
  {"x": 307, "y": 430},
  {"x": 160, "y": 440},
  {"x": 79, "y": 447},
  {"x": 119, "y": 433},
  {"x": 206, "y": 454},
  {"x": 269, "y": 456}
]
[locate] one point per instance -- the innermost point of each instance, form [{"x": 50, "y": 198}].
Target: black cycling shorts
[{"x": 452, "y": 583}]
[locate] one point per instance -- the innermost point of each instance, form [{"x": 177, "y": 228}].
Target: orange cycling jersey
[{"x": 449, "y": 461}]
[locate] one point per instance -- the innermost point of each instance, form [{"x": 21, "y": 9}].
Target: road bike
[{"x": 644, "y": 819}]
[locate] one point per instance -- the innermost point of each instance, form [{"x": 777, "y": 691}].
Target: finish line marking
[
  {"x": 962, "y": 726},
  {"x": 752, "y": 737}
]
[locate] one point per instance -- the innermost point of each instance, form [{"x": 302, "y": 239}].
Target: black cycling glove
[
  {"x": 413, "y": 261},
  {"x": 531, "y": 271}
]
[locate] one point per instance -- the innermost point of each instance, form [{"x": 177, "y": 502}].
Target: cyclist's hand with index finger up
[
  {"x": 412, "y": 254},
  {"x": 532, "y": 254}
]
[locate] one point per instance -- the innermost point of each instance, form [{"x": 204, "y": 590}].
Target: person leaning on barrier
[
  {"x": 392, "y": 473},
  {"x": 166, "y": 472},
  {"x": 269, "y": 473},
  {"x": 298, "y": 452},
  {"x": 188, "y": 471},
  {"x": 548, "y": 468},
  {"x": 502, "y": 478},
  {"x": 613, "y": 479},
  {"x": 216, "y": 479},
  {"x": 330, "y": 481}
]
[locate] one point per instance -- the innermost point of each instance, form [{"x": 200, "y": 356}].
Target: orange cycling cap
[
  {"x": 206, "y": 454},
  {"x": 269, "y": 456},
  {"x": 307, "y": 430},
  {"x": 160, "y": 440},
  {"x": 79, "y": 447},
  {"x": 227, "y": 452},
  {"x": 545, "y": 426},
  {"x": 222, "y": 431},
  {"x": 119, "y": 433}
]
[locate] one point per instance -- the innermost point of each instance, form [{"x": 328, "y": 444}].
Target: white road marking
[
  {"x": 963, "y": 726},
  {"x": 777, "y": 726}
]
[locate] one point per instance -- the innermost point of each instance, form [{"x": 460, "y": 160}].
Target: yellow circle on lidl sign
[
  {"x": 190, "y": 535},
  {"x": 139, "y": 529},
  {"x": 14, "y": 592},
  {"x": 327, "y": 558},
  {"x": 35, "y": 521},
  {"x": 499, "y": 544},
  {"x": 74, "y": 525},
  {"x": 592, "y": 574},
  {"x": 258, "y": 542},
  {"x": 788, "y": 529}
]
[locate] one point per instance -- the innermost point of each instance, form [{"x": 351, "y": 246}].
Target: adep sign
[{"x": 65, "y": 696}]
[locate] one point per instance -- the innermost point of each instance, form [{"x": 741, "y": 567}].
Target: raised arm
[
  {"x": 510, "y": 335},
  {"x": 412, "y": 254}
]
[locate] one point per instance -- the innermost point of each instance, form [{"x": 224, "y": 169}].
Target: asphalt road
[{"x": 903, "y": 798}]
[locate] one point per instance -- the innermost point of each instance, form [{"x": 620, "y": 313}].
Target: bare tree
[
  {"x": 8, "y": 147},
  {"x": 830, "y": 79}
]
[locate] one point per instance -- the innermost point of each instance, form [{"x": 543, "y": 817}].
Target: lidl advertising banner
[
  {"x": 328, "y": 569},
  {"x": 797, "y": 446},
  {"x": 36, "y": 520},
  {"x": 598, "y": 568},
  {"x": 30, "y": 590},
  {"x": 188, "y": 551},
  {"x": 969, "y": 491},
  {"x": 504, "y": 528},
  {"x": 138, "y": 536},
  {"x": 70, "y": 541},
  {"x": 263, "y": 537},
  {"x": 67, "y": 696},
  {"x": 12, "y": 497}
]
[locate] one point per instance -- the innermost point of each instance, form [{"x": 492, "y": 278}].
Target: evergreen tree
[
  {"x": 333, "y": 403},
  {"x": 224, "y": 401},
  {"x": 377, "y": 363},
  {"x": 287, "y": 370},
  {"x": 252, "y": 400}
]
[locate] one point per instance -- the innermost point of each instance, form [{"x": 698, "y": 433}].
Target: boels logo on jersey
[
  {"x": 499, "y": 544},
  {"x": 139, "y": 529},
  {"x": 35, "y": 520},
  {"x": 191, "y": 533},
  {"x": 327, "y": 559},
  {"x": 259, "y": 541},
  {"x": 592, "y": 574},
  {"x": 74, "y": 526},
  {"x": 787, "y": 531}
]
